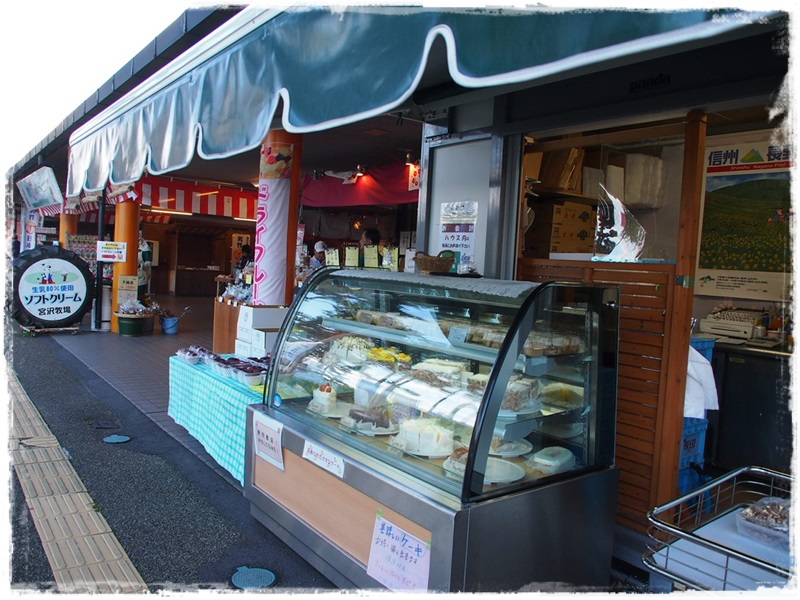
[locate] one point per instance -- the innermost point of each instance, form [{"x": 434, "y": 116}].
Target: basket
[{"x": 442, "y": 263}]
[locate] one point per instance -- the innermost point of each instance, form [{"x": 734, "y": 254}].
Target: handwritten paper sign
[
  {"x": 267, "y": 439},
  {"x": 351, "y": 256},
  {"x": 324, "y": 458},
  {"x": 332, "y": 257},
  {"x": 397, "y": 559},
  {"x": 371, "y": 257}
]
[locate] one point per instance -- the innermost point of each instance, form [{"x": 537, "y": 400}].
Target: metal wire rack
[{"x": 694, "y": 540}]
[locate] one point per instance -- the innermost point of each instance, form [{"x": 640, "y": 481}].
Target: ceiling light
[
  {"x": 360, "y": 170},
  {"x": 243, "y": 219},
  {"x": 170, "y": 212}
]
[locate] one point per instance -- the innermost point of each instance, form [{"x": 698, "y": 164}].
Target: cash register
[{"x": 737, "y": 326}]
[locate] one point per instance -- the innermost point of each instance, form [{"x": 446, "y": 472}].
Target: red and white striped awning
[
  {"x": 185, "y": 196},
  {"x": 92, "y": 217},
  {"x": 166, "y": 193}
]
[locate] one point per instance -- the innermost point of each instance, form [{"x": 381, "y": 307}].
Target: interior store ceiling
[{"x": 382, "y": 140}]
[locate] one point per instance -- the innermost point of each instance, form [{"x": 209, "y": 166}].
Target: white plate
[
  {"x": 564, "y": 431},
  {"x": 426, "y": 455},
  {"x": 342, "y": 409},
  {"x": 518, "y": 448},
  {"x": 498, "y": 471},
  {"x": 510, "y": 414},
  {"x": 502, "y": 471},
  {"x": 365, "y": 429}
]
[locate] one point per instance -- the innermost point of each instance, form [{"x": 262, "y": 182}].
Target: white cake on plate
[
  {"x": 324, "y": 399},
  {"x": 425, "y": 437}
]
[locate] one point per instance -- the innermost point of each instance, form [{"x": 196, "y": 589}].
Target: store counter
[{"x": 213, "y": 409}]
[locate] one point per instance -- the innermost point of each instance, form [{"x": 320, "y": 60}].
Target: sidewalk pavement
[{"x": 182, "y": 524}]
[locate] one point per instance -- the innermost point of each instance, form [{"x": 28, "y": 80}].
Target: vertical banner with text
[{"x": 272, "y": 217}]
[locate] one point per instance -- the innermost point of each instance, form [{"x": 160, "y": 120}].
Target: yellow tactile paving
[{"x": 83, "y": 552}]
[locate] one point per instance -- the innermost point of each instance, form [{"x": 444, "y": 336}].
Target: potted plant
[{"x": 134, "y": 318}]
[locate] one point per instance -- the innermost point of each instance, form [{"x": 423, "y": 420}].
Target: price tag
[{"x": 458, "y": 335}]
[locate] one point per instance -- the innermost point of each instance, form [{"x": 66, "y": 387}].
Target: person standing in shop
[
  {"x": 145, "y": 266},
  {"x": 246, "y": 257},
  {"x": 369, "y": 237},
  {"x": 318, "y": 258}
]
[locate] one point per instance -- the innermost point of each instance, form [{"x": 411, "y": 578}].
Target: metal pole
[{"x": 98, "y": 284}]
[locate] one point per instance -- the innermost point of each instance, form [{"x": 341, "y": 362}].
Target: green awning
[{"x": 331, "y": 67}]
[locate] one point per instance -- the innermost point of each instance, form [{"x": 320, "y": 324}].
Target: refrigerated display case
[{"x": 471, "y": 419}]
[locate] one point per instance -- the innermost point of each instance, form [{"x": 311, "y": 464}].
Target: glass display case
[
  {"x": 475, "y": 388},
  {"x": 454, "y": 392}
]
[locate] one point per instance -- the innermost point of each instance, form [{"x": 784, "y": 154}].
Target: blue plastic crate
[
  {"x": 688, "y": 480},
  {"x": 704, "y": 346},
  {"x": 693, "y": 443}
]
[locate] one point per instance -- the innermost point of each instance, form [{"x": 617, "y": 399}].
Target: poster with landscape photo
[{"x": 745, "y": 245}]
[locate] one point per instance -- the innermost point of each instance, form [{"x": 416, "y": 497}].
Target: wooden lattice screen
[{"x": 644, "y": 448}]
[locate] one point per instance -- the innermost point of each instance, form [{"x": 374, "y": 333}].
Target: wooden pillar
[
  {"x": 126, "y": 230},
  {"x": 67, "y": 225},
  {"x": 670, "y": 431}
]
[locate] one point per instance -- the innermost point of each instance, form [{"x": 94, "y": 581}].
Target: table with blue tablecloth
[{"x": 213, "y": 409}]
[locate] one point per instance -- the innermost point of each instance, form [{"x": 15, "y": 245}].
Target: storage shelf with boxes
[
  {"x": 257, "y": 329},
  {"x": 562, "y": 187}
]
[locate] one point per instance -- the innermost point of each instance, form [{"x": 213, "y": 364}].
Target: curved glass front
[{"x": 408, "y": 368}]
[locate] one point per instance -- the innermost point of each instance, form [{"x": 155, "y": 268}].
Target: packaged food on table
[{"x": 766, "y": 521}]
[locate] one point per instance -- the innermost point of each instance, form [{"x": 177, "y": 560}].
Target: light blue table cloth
[{"x": 213, "y": 409}]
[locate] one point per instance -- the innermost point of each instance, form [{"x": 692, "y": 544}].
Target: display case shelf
[{"x": 461, "y": 350}]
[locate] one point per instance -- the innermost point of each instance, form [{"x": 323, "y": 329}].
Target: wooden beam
[{"x": 678, "y": 335}]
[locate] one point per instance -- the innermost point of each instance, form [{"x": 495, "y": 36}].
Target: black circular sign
[{"x": 53, "y": 287}]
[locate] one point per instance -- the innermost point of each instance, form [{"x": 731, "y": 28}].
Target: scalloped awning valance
[{"x": 331, "y": 67}]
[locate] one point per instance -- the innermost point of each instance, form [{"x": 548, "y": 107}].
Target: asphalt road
[{"x": 184, "y": 527}]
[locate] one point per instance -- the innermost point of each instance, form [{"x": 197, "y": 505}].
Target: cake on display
[
  {"x": 350, "y": 350},
  {"x": 552, "y": 460},
  {"x": 439, "y": 371},
  {"x": 370, "y": 421},
  {"x": 324, "y": 399},
  {"x": 562, "y": 395},
  {"x": 522, "y": 394},
  {"x": 424, "y": 437},
  {"x": 390, "y": 357}
]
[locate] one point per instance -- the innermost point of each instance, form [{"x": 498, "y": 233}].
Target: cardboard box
[
  {"x": 242, "y": 348},
  {"x": 547, "y": 213},
  {"x": 264, "y": 342},
  {"x": 269, "y": 318}
]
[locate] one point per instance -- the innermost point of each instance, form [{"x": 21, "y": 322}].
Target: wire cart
[{"x": 694, "y": 540}]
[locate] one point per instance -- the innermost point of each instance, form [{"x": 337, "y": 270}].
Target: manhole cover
[
  {"x": 116, "y": 439},
  {"x": 246, "y": 578}
]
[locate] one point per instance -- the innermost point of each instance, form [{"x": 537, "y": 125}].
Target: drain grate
[
  {"x": 105, "y": 424},
  {"x": 246, "y": 578}
]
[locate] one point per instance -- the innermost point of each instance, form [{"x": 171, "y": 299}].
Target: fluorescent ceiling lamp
[
  {"x": 243, "y": 219},
  {"x": 170, "y": 212}
]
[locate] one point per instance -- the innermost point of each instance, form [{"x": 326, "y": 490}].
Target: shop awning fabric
[{"x": 330, "y": 67}]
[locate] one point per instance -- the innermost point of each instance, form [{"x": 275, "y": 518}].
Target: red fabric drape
[{"x": 380, "y": 185}]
